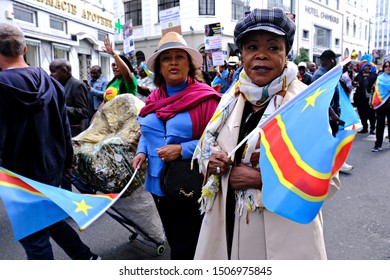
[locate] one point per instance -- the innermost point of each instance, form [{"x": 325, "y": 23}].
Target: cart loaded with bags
[{"x": 102, "y": 164}]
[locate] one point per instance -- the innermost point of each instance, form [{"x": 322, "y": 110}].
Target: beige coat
[{"x": 267, "y": 235}]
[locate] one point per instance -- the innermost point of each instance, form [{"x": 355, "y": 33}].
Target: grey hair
[{"x": 12, "y": 42}]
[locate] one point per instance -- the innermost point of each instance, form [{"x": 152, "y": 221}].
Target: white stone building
[{"x": 70, "y": 29}]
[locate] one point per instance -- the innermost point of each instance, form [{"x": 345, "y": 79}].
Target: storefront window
[
  {"x": 32, "y": 55},
  {"x": 60, "y": 51},
  {"x": 322, "y": 37},
  {"x": 105, "y": 65}
]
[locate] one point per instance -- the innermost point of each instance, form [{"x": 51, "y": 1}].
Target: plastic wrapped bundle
[{"x": 103, "y": 153}]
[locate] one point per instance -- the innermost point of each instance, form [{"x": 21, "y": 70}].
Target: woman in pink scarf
[{"x": 172, "y": 122}]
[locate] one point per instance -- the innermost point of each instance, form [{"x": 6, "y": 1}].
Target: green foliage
[{"x": 303, "y": 56}]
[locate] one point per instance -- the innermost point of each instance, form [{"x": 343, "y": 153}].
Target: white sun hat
[{"x": 173, "y": 40}]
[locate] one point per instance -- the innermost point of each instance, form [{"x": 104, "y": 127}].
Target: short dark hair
[{"x": 328, "y": 55}]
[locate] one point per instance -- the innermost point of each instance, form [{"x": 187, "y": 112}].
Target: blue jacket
[
  {"x": 96, "y": 93},
  {"x": 35, "y": 136},
  {"x": 177, "y": 130}
]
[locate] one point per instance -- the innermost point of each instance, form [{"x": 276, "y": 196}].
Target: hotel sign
[
  {"x": 323, "y": 15},
  {"x": 85, "y": 11}
]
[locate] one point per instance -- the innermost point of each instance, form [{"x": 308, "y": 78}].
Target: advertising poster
[
  {"x": 170, "y": 20},
  {"x": 213, "y": 37},
  {"x": 218, "y": 58},
  {"x": 213, "y": 45},
  {"x": 128, "y": 39}
]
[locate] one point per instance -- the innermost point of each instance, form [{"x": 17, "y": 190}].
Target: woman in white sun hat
[{"x": 172, "y": 122}]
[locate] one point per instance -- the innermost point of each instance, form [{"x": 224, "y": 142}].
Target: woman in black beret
[{"x": 236, "y": 223}]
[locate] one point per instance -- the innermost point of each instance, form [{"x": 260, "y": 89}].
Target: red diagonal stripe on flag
[{"x": 286, "y": 162}]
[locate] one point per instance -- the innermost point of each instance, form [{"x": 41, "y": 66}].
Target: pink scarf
[{"x": 188, "y": 100}]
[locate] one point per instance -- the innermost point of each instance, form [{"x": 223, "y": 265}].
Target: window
[
  {"x": 237, "y": 9},
  {"x": 347, "y": 27},
  {"x": 207, "y": 7},
  {"x": 32, "y": 56},
  {"x": 24, "y": 14},
  {"x": 337, "y": 42},
  {"x": 133, "y": 11},
  {"x": 285, "y": 5},
  {"x": 60, "y": 51},
  {"x": 105, "y": 65},
  {"x": 167, "y": 4},
  {"x": 59, "y": 24},
  {"x": 354, "y": 29},
  {"x": 101, "y": 36},
  {"x": 322, "y": 37},
  {"x": 305, "y": 34}
]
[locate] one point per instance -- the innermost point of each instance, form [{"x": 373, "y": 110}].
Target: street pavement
[{"x": 356, "y": 219}]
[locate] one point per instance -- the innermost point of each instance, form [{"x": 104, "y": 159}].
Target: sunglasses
[{"x": 386, "y": 66}]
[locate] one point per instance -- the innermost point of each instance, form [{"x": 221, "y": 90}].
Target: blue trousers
[{"x": 38, "y": 247}]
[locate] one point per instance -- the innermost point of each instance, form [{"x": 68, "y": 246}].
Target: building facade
[
  {"x": 321, "y": 24},
  {"x": 70, "y": 29},
  {"x": 380, "y": 41},
  {"x": 356, "y": 32},
  {"x": 75, "y": 29}
]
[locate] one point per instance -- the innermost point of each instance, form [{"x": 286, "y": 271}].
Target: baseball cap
[{"x": 302, "y": 64}]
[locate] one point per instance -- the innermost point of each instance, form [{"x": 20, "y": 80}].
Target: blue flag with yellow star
[
  {"x": 32, "y": 206},
  {"x": 298, "y": 153}
]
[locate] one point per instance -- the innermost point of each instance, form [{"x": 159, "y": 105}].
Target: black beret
[{"x": 271, "y": 20}]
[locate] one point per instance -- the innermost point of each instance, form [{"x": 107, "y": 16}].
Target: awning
[
  {"x": 61, "y": 47},
  {"x": 32, "y": 42},
  {"x": 233, "y": 47}
]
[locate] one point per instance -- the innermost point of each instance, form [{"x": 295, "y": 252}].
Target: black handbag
[{"x": 178, "y": 179}]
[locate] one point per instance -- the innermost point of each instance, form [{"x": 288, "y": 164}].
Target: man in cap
[
  {"x": 303, "y": 76},
  {"x": 232, "y": 66},
  {"x": 328, "y": 61}
]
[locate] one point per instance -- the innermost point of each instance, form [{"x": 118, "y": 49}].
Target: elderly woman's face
[
  {"x": 264, "y": 56},
  {"x": 174, "y": 66}
]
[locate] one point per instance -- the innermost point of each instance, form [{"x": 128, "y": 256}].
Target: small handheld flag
[
  {"x": 299, "y": 155},
  {"x": 32, "y": 206}
]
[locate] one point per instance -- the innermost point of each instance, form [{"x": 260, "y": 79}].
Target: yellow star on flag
[
  {"x": 312, "y": 99},
  {"x": 82, "y": 206}
]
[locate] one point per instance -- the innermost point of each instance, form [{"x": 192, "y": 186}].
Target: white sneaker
[{"x": 346, "y": 167}]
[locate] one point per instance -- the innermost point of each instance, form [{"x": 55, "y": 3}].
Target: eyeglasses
[{"x": 386, "y": 66}]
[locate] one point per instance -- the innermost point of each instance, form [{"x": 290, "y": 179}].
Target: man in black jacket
[
  {"x": 76, "y": 95},
  {"x": 35, "y": 137}
]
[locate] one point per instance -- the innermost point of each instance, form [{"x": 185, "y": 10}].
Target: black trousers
[
  {"x": 382, "y": 113},
  {"x": 366, "y": 113},
  {"x": 38, "y": 247},
  {"x": 181, "y": 219}
]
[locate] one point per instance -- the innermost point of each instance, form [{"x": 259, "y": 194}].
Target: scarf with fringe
[{"x": 250, "y": 198}]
